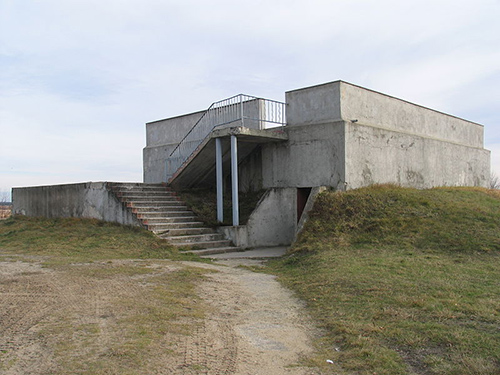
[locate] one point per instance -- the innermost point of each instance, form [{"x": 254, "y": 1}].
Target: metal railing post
[
  {"x": 234, "y": 180},
  {"x": 218, "y": 177},
  {"x": 241, "y": 105}
]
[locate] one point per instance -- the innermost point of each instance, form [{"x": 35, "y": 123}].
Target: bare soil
[
  {"x": 5, "y": 211},
  {"x": 58, "y": 321}
]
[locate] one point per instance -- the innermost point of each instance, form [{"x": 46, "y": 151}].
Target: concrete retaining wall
[
  {"x": 84, "y": 200},
  {"x": 273, "y": 222}
]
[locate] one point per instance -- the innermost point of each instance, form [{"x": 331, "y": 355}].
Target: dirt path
[
  {"x": 261, "y": 321},
  {"x": 252, "y": 325}
]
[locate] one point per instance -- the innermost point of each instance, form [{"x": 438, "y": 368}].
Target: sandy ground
[{"x": 255, "y": 325}]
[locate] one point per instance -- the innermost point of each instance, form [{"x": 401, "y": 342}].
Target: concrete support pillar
[
  {"x": 234, "y": 180},
  {"x": 219, "y": 178}
]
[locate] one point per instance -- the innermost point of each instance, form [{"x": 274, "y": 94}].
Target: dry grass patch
[
  {"x": 5, "y": 211},
  {"x": 105, "y": 317}
]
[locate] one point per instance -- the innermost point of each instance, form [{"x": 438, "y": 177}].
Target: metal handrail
[{"x": 249, "y": 110}]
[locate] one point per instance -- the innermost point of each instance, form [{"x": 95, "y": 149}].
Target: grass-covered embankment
[
  {"x": 87, "y": 239},
  {"x": 402, "y": 281}
]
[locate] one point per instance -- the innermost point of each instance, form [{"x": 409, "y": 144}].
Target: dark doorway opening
[{"x": 302, "y": 197}]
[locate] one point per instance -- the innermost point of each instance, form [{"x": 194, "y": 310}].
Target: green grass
[
  {"x": 402, "y": 281},
  {"x": 82, "y": 239}
]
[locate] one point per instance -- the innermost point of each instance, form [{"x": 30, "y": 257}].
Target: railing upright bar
[{"x": 241, "y": 105}]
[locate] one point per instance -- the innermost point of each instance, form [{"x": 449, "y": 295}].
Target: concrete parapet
[
  {"x": 372, "y": 108},
  {"x": 336, "y": 101},
  {"x": 93, "y": 200}
]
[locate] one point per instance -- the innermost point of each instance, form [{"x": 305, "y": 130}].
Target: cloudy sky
[{"x": 80, "y": 78}]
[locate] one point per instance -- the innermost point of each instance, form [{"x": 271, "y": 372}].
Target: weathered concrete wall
[
  {"x": 249, "y": 173},
  {"x": 161, "y": 139},
  {"x": 384, "y": 140},
  {"x": 84, "y": 200},
  {"x": 313, "y": 156},
  {"x": 272, "y": 223},
  {"x": 371, "y": 108},
  {"x": 171, "y": 130},
  {"x": 375, "y": 155},
  {"x": 314, "y": 105}
]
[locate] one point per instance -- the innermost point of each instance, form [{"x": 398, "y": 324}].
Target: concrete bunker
[{"x": 335, "y": 135}]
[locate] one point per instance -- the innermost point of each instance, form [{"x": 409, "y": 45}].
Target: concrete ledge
[{"x": 93, "y": 200}]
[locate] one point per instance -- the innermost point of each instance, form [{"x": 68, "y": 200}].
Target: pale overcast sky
[{"x": 80, "y": 78}]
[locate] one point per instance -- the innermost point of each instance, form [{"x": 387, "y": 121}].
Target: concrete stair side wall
[
  {"x": 272, "y": 223},
  {"x": 92, "y": 200}
]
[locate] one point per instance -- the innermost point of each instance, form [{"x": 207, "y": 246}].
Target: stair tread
[
  {"x": 215, "y": 250},
  {"x": 193, "y": 236}
]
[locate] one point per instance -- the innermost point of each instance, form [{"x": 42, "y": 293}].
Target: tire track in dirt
[
  {"x": 256, "y": 323},
  {"x": 27, "y": 296},
  {"x": 252, "y": 326}
]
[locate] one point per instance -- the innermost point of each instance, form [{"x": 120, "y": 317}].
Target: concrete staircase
[{"x": 162, "y": 212}]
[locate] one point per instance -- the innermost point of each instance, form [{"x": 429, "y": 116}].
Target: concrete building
[{"x": 335, "y": 135}]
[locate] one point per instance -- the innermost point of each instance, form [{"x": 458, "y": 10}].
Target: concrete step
[
  {"x": 146, "y": 199},
  {"x": 158, "y": 208},
  {"x": 186, "y": 215},
  {"x": 153, "y": 204},
  {"x": 204, "y": 244},
  {"x": 157, "y": 229},
  {"x": 170, "y": 226},
  {"x": 174, "y": 223},
  {"x": 215, "y": 250},
  {"x": 142, "y": 194},
  {"x": 194, "y": 239},
  {"x": 137, "y": 186}
]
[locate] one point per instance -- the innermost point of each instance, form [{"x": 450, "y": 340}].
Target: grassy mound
[
  {"x": 402, "y": 281},
  {"x": 86, "y": 239}
]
